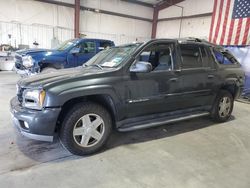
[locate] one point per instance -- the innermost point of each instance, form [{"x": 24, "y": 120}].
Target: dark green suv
[{"x": 126, "y": 88}]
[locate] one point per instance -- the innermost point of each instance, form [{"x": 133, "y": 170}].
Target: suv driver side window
[
  {"x": 87, "y": 47},
  {"x": 159, "y": 56}
]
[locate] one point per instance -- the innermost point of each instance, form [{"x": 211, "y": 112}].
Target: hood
[
  {"x": 39, "y": 52},
  {"x": 31, "y": 50},
  {"x": 48, "y": 79}
]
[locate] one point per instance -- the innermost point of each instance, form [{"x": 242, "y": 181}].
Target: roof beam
[
  {"x": 167, "y": 3},
  {"x": 95, "y": 10},
  {"x": 57, "y": 3},
  {"x": 115, "y": 14},
  {"x": 139, "y": 3},
  {"x": 185, "y": 17}
]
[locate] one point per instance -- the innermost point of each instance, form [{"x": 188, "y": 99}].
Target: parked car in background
[
  {"x": 7, "y": 53},
  {"x": 127, "y": 88},
  {"x": 71, "y": 53}
]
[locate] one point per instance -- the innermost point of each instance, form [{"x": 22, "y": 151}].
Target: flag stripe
[
  {"x": 221, "y": 23},
  {"x": 216, "y": 20},
  {"x": 225, "y": 23},
  {"x": 243, "y": 26},
  {"x": 230, "y": 32},
  {"x": 246, "y": 32},
  {"x": 228, "y": 23},
  {"x": 236, "y": 41},
  {"x": 218, "y": 23},
  {"x": 212, "y": 22}
]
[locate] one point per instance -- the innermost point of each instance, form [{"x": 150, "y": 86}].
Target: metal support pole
[
  {"x": 77, "y": 18},
  {"x": 154, "y": 23},
  {"x": 161, "y": 6},
  {"x": 182, "y": 10}
]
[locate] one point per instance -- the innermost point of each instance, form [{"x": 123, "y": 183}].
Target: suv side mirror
[
  {"x": 75, "y": 50},
  {"x": 141, "y": 66}
]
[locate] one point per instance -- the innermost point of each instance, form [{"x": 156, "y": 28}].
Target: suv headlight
[
  {"x": 33, "y": 98},
  {"x": 28, "y": 61}
]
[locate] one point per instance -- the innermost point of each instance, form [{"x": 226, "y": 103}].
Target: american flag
[{"x": 230, "y": 23}]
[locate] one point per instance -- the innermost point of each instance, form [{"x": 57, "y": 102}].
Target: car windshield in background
[
  {"x": 65, "y": 45},
  {"x": 113, "y": 57}
]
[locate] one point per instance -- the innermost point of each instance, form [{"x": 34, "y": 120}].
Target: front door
[
  {"x": 87, "y": 51},
  {"x": 148, "y": 93}
]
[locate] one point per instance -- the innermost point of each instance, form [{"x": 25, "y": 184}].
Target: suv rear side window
[
  {"x": 224, "y": 58},
  {"x": 191, "y": 56},
  {"x": 104, "y": 45},
  {"x": 207, "y": 59}
]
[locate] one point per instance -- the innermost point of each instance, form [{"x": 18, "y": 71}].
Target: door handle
[
  {"x": 210, "y": 76},
  {"x": 173, "y": 79}
]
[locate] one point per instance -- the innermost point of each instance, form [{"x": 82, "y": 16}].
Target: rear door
[
  {"x": 193, "y": 77},
  {"x": 212, "y": 78}
]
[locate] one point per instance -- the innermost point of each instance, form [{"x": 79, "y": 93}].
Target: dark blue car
[{"x": 71, "y": 53}]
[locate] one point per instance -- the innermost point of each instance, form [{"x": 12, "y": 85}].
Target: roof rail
[{"x": 193, "y": 39}]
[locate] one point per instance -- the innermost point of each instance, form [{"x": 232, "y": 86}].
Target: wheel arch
[
  {"x": 43, "y": 65},
  {"x": 231, "y": 87},
  {"x": 104, "y": 100}
]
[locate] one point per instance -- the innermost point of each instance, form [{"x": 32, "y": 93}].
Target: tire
[
  {"x": 48, "y": 70},
  {"x": 85, "y": 129},
  {"x": 223, "y": 106}
]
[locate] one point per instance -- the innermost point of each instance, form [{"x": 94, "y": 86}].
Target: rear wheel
[
  {"x": 85, "y": 129},
  {"x": 223, "y": 106}
]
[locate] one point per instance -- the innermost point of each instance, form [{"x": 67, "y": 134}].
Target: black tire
[
  {"x": 216, "y": 114},
  {"x": 48, "y": 70},
  {"x": 71, "y": 142}
]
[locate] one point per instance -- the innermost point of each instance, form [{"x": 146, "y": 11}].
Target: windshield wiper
[{"x": 97, "y": 65}]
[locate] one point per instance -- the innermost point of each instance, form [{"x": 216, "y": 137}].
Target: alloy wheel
[
  {"x": 224, "y": 106},
  {"x": 88, "y": 130}
]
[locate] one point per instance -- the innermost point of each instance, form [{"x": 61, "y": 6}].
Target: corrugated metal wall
[{"x": 43, "y": 35}]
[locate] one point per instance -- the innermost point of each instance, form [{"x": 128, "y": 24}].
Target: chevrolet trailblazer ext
[{"x": 128, "y": 87}]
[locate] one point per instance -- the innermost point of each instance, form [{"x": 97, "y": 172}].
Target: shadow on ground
[{"x": 49, "y": 152}]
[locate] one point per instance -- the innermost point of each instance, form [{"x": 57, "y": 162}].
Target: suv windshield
[
  {"x": 113, "y": 57},
  {"x": 65, "y": 45}
]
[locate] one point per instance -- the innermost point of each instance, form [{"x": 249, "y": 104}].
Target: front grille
[
  {"x": 18, "y": 57},
  {"x": 19, "y": 62},
  {"x": 20, "y": 93},
  {"x": 19, "y": 66}
]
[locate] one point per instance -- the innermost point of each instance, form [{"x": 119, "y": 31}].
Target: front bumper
[
  {"x": 24, "y": 72},
  {"x": 41, "y": 124}
]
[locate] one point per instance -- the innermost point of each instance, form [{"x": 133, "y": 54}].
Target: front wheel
[
  {"x": 85, "y": 129},
  {"x": 222, "y": 107},
  {"x": 48, "y": 70}
]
